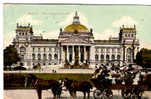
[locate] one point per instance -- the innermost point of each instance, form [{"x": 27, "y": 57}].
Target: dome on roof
[{"x": 76, "y": 26}]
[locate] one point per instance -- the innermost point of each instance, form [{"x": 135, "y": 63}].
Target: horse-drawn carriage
[
  {"x": 105, "y": 82},
  {"x": 104, "y": 91}
]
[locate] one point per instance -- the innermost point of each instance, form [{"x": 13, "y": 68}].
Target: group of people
[{"x": 115, "y": 74}]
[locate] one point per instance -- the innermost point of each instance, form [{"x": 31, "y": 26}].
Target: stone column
[
  {"x": 92, "y": 57},
  {"x": 105, "y": 56},
  {"x": 62, "y": 55},
  {"x": 58, "y": 52},
  {"x": 67, "y": 53},
  {"x": 99, "y": 57},
  {"x": 79, "y": 53},
  {"x": 84, "y": 53},
  {"x": 73, "y": 54}
]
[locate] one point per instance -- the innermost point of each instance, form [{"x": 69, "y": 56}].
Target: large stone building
[{"x": 75, "y": 40}]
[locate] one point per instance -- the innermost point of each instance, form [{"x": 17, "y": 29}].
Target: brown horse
[
  {"x": 72, "y": 86},
  {"x": 40, "y": 84}
]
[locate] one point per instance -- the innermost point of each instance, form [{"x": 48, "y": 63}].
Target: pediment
[{"x": 76, "y": 40}]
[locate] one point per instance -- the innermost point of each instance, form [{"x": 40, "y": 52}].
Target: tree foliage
[
  {"x": 10, "y": 55},
  {"x": 143, "y": 58}
]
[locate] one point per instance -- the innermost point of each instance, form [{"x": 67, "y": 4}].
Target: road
[{"x": 31, "y": 94}]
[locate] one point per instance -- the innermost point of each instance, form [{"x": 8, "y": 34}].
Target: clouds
[
  {"x": 69, "y": 19},
  {"x": 105, "y": 34},
  {"x": 51, "y": 35},
  {"x": 47, "y": 35},
  {"x": 109, "y": 32},
  {"x": 25, "y": 19},
  {"x": 8, "y": 38},
  {"x": 125, "y": 20},
  {"x": 145, "y": 45}
]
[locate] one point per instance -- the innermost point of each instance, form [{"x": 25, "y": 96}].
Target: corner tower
[{"x": 129, "y": 43}]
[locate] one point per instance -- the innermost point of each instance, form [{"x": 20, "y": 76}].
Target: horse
[
  {"x": 40, "y": 84},
  {"x": 72, "y": 86}
]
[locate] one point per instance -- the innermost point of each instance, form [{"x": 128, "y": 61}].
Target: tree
[
  {"x": 10, "y": 56},
  {"x": 37, "y": 67},
  {"x": 143, "y": 58}
]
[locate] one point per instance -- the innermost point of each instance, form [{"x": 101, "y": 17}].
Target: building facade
[{"x": 75, "y": 40}]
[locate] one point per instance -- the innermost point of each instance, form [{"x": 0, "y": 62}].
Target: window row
[
  {"x": 39, "y": 49},
  {"x": 45, "y": 56},
  {"x": 107, "y": 57},
  {"x": 44, "y": 63},
  {"x": 129, "y": 35},
  {"x": 108, "y": 50}
]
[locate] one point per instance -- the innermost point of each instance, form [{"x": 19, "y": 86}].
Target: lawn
[{"x": 16, "y": 80}]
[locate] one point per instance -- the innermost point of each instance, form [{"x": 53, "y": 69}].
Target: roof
[
  {"x": 103, "y": 42},
  {"x": 128, "y": 29},
  {"x": 44, "y": 41},
  {"x": 24, "y": 28}
]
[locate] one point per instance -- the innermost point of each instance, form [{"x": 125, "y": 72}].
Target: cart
[{"x": 104, "y": 90}]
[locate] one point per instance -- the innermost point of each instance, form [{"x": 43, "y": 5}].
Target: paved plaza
[
  {"x": 50, "y": 70},
  {"x": 31, "y": 94}
]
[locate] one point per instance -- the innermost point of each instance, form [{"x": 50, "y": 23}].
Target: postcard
[{"x": 76, "y": 51}]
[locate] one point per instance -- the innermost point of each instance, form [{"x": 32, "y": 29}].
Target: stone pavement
[
  {"x": 31, "y": 94},
  {"x": 57, "y": 71}
]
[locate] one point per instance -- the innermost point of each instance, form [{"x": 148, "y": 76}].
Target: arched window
[
  {"x": 118, "y": 57},
  {"x": 56, "y": 56},
  {"x": 96, "y": 57},
  {"x": 113, "y": 57},
  {"x": 39, "y": 57},
  {"x": 129, "y": 54},
  {"x": 107, "y": 57},
  {"x": 102, "y": 58},
  {"x": 50, "y": 57}
]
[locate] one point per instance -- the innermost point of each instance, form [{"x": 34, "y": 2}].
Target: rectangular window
[
  {"x": 97, "y": 50},
  {"x": 38, "y": 49},
  {"x": 107, "y": 50},
  {"x": 33, "y": 49},
  {"x": 113, "y": 50},
  {"x": 102, "y": 50},
  {"x": 50, "y": 49},
  {"x": 33, "y": 56},
  {"x": 118, "y": 50}
]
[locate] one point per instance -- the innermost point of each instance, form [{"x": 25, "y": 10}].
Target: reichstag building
[{"x": 75, "y": 40}]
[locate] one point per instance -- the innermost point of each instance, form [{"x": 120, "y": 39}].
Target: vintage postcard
[{"x": 67, "y": 51}]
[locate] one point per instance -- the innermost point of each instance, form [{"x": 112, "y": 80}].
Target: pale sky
[{"x": 104, "y": 19}]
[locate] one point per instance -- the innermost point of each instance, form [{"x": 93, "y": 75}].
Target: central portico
[
  {"x": 69, "y": 52},
  {"x": 75, "y": 41}
]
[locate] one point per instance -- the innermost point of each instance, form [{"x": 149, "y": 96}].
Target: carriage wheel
[
  {"x": 129, "y": 95},
  {"x": 125, "y": 94},
  {"x": 97, "y": 94},
  {"x": 106, "y": 94}
]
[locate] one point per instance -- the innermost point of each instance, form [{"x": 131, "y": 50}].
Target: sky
[{"x": 105, "y": 20}]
